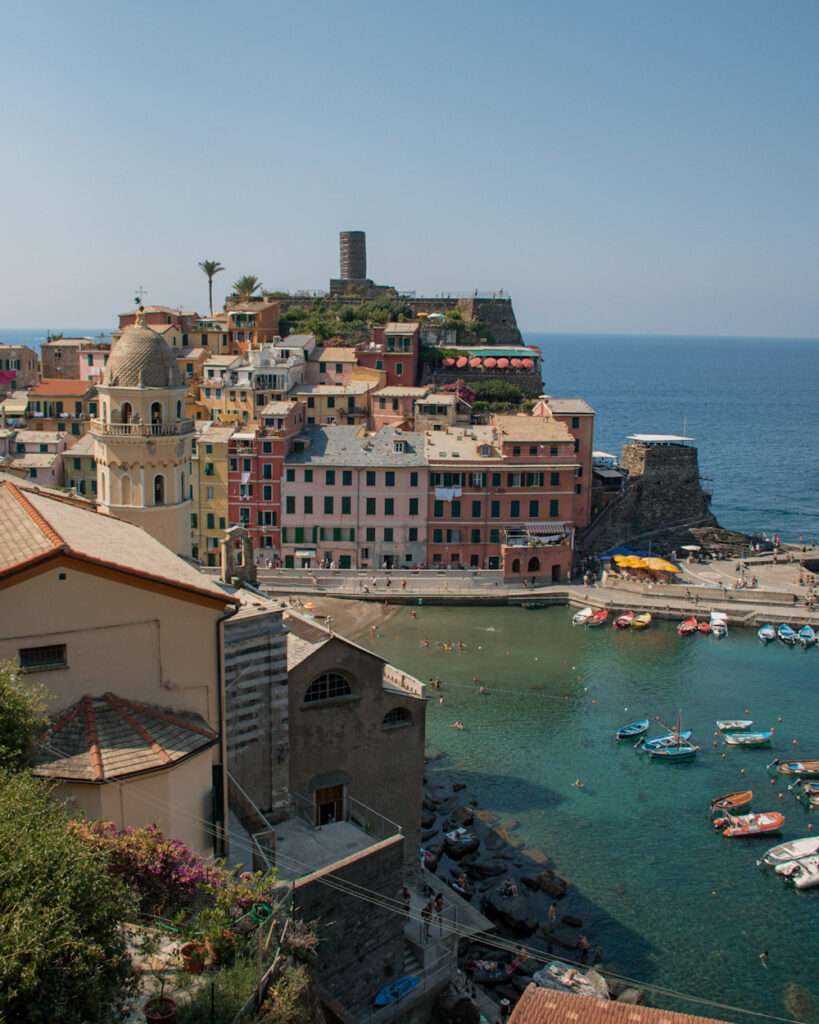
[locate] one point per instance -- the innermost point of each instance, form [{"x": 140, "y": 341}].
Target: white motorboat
[
  {"x": 734, "y": 724},
  {"x": 719, "y": 623},
  {"x": 793, "y": 850},
  {"x": 582, "y": 617},
  {"x": 804, "y": 872}
]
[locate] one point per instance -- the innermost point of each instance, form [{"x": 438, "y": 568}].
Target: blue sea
[{"x": 751, "y": 405}]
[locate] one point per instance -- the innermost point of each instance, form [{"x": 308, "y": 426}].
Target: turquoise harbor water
[{"x": 672, "y": 903}]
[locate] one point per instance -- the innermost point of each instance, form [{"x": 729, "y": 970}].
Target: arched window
[
  {"x": 516, "y": 565},
  {"x": 125, "y": 487},
  {"x": 182, "y": 487},
  {"x": 126, "y": 412},
  {"x": 156, "y": 412},
  {"x": 534, "y": 565},
  {"x": 326, "y": 687},
  {"x": 396, "y": 717},
  {"x": 102, "y": 486},
  {"x": 179, "y": 410},
  {"x": 159, "y": 490}
]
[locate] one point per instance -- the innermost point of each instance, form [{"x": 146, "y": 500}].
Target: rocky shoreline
[{"x": 491, "y": 857}]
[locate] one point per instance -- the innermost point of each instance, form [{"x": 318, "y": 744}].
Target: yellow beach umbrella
[
  {"x": 661, "y": 565},
  {"x": 635, "y": 562},
  {"x": 621, "y": 559}
]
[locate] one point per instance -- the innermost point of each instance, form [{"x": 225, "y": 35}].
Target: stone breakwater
[{"x": 490, "y": 861}]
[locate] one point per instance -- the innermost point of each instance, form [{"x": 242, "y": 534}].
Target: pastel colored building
[
  {"x": 209, "y": 472},
  {"x": 331, "y": 365},
  {"x": 394, "y": 406},
  {"x": 80, "y": 467},
  {"x": 354, "y": 498},
  {"x": 252, "y": 324},
  {"x": 335, "y": 403},
  {"x": 439, "y": 410},
  {"x": 255, "y": 469},
  {"x": 126, "y": 642},
  {"x": 494, "y": 489},
  {"x": 67, "y": 404},
  {"x": 578, "y": 417},
  {"x": 18, "y": 367},
  {"x": 236, "y": 389},
  {"x": 394, "y": 349},
  {"x": 72, "y": 358},
  {"x": 37, "y": 456}
]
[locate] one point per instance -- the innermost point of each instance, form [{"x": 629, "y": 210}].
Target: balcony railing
[{"x": 142, "y": 429}]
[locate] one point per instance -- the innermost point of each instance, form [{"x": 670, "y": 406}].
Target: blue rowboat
[
  {"x": 662, "y": 742},
  {"x": 806, "y": 636},
  {"x": 395, "y": 991},
  {"x": 633, "y": 729},
  {"x": 786, "y": 634},
  {"x": 749, "y": 739},
  {"x": 766, "y": 634}
]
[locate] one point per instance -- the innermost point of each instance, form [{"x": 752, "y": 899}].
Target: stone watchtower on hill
[
  {"x": 353, "y": 269},
  {"x": 143, "y": 440}
]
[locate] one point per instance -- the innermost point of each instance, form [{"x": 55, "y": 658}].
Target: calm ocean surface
[{"x": 751, "y": 404}]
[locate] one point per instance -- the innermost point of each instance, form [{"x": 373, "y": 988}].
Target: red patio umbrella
[
  {"x": 529, "y": 364},
  {"x": 490, "y": 363},
  {"x": 517, "y": 363},
  {"x": 448, "y": 361},
  {"x": 475, "y": 361},
  {"x": 503, "y": 362},
  {"x": 462, "y": 361}
]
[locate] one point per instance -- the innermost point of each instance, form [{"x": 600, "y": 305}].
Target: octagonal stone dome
[{"x": 141, "y": 358}]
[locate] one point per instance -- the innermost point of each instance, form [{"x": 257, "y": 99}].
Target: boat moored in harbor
[
  {"x": 786, "y": 634},
  {"x": 809, "y": 769},
  {"x": 736, "y": 826},
  {"x": 687, "y": 627},
  {"x": 632, "y": 729},
  {"x": 749, "y": 739},
  {"x": 766, "y": 634},
  {"x": 731, "y": 801}
]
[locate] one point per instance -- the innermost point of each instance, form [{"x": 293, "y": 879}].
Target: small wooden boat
[
  {"x": 682, "y": 751},
  {"x": 786, "y": 634},
  {"x": 735, "y": 826},
  {"x": 598, "y": 618},
  {"x": 766, "y": 634},
  {"x": 632, "y": 729},
  {"x": 687, "y": 627},
  {"x": 731, "y": 801},
  {"x": 703, "y": 627},
  {"x": 806, "y": 637},
  {"x": 804, "y": 873},
  {"x": 642, "y": 621},
  {"x": 395, "y": 990},
  {"x": 749, "y": 739},
  {"x": 719, "y": 623},
  {"x": 785, "y": 852},
  {"x": 624, "y": 621},
  {"x": 582, "y": 617},
  {"x": 805, "y": 791},
  {"x": 734, "y": 724},
  {"x": 809, "y": 769},
  {"x": 659, "y": 742}
]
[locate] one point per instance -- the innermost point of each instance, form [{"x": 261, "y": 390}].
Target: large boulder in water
[
  {"x": 512, "y": 913},
  {"x": 485, "y": 868},
  {"x": 461, "y": 816},
  {"x": 552, "y": 883}
]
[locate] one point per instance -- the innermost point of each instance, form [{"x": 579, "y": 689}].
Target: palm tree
[
  {"x": 246, "y": 286},
  {"x": 211, "y": 268}
]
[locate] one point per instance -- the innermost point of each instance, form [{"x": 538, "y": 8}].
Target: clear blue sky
[{"x": 614, "y": 166}]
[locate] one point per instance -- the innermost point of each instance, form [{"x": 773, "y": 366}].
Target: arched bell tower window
[
  {"x": 126, "y": 412},
  {"x": 125, "y": 486},
  {"x": 156, "y": 412},
  {"x": 159, "y": 489},
  {"x": 179, "y": 410}
]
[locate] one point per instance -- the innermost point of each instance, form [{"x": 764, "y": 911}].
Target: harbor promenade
[{"x": 698, "y": 590}]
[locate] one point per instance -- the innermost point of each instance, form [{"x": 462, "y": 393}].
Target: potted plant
[
  {"x": 193, "y": 955},
  {"x": 215, "y": 923},
  {"x": 160, "y": 1009}
]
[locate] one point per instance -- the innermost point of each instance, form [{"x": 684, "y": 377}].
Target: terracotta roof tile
[
  {"x": 545, "y": 1006},
  {"x": 112, "y": 738},
  {"x": 55, "y": 386}
]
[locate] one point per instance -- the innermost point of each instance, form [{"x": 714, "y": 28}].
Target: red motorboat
[
  {"x": 687, "y": 627},
  {"x": 749, "y": 824},
  {"x": 623, "y": 621},
  {"x": 704, "y": 627},
  {"x": 598, "y": 618}
]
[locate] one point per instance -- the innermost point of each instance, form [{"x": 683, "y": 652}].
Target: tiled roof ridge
[
  {"x": 64, "y": 719},
  {"x": 156, "y": 713},
  {"x": 93, "y": 740},
  {"x": 114, "y": 701},
  {"x": 42, "y": 524}
]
